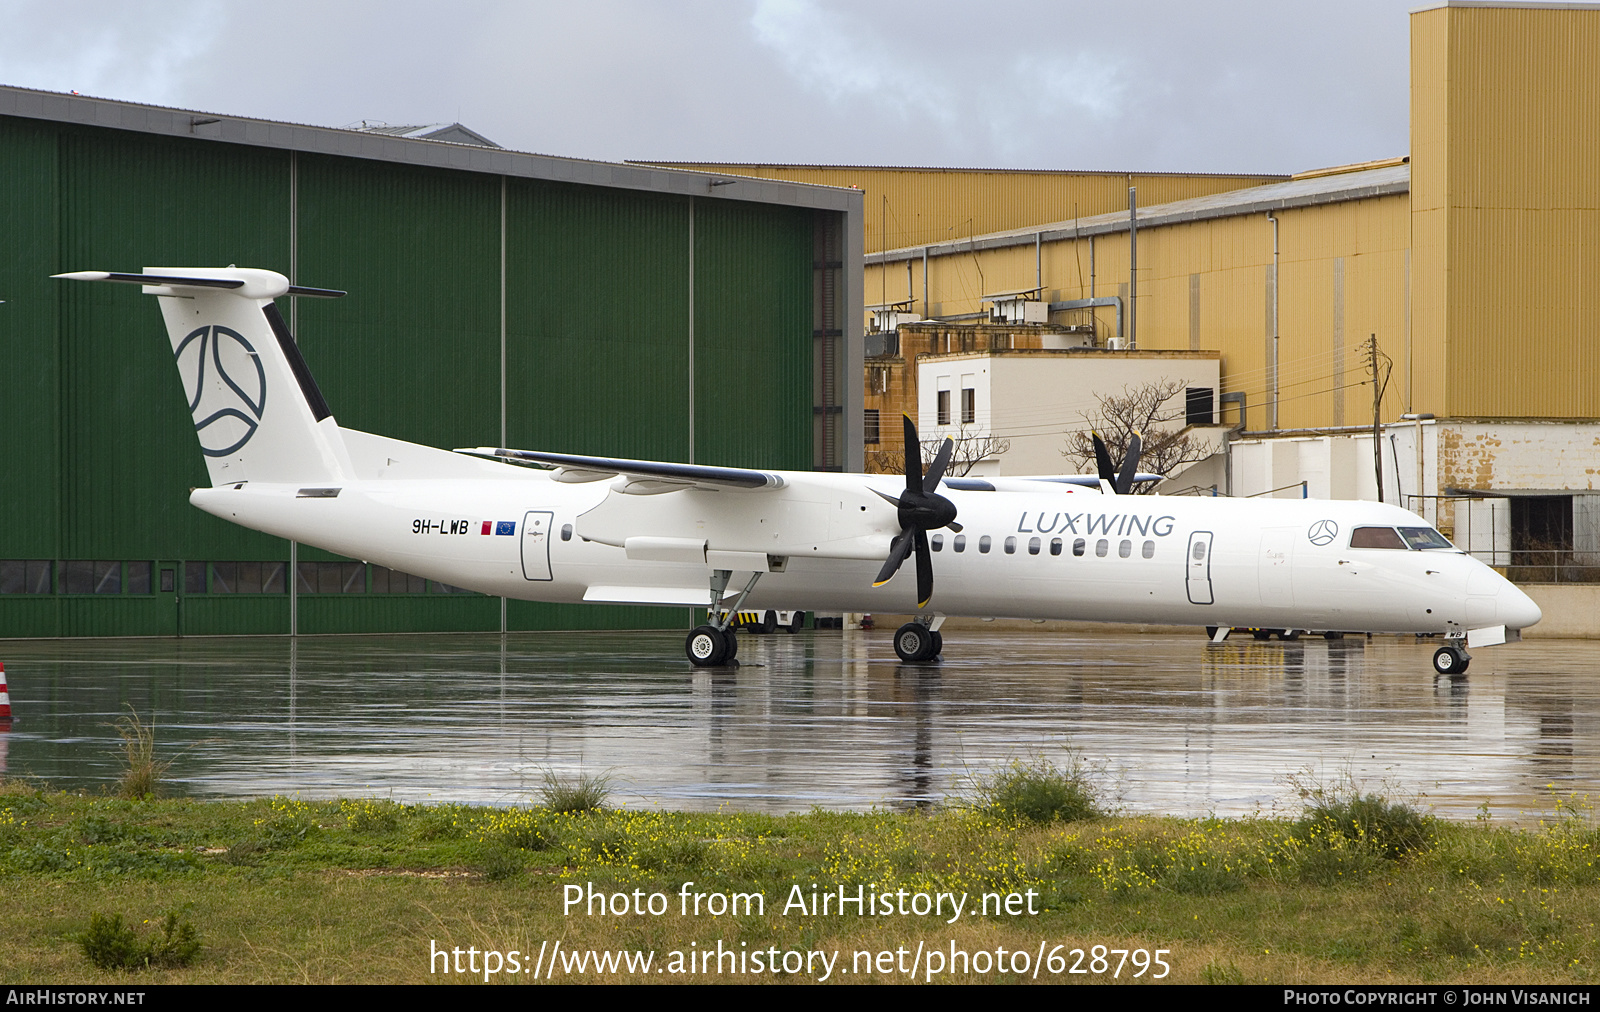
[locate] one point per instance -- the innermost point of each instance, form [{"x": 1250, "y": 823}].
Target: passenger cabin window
[
  {"x": 1033, "y": 546},
  {"x": 1424, "y": 537},
  {"x": 1055, "y": 546},
  {"x": 566, "y": 532},
  {"x": 960, "y": 543},
  {"x": 983, "y": 544},
  {"x": 1011, "y": 546},
  {"x": 1149, "y": 550},
  {"x": 1375, "y": 537},
  {"x": 1125, "y": 549},
  {"x": 1101, "y": 547},
  {"x": 937, "y": 542},
  {"x": 1078, "y": 546}
]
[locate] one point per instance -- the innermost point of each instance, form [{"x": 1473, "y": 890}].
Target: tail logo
[{"x": 227, "y": 388}]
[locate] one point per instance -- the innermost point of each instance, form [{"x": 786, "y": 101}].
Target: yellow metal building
[{"x": 1474, "y": 262}]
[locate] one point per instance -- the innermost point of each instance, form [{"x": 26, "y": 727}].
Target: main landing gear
[
  {"x": 715, "y": 644},
  {"x": 919, "y": 641},
  {"x": 1451, "y": 659}
]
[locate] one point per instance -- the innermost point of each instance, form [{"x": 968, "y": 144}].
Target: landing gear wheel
[
  {"x": 1261, "y": 634},
  {"x": 1288, "y": 635},
  {"x": 915, "y": 643},
  {"x": 798, "y": 622},
  {"x": 938, "y": 645},
  {"x": 769, "y": 621},
  {"x": 1450, "y": 660},
  {"x": 733, "y": 645},
  {"x": 708, "y": 647},
  {"x": 1333, "y": 635}
]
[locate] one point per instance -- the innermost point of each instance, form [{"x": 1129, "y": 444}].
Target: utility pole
[{"x": 1377, "y": 398}]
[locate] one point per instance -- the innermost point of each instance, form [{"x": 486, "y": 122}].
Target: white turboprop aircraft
[{"x": 641, "y": 532}]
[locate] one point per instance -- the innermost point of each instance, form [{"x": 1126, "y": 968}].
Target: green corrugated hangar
[{"x": 495, "y": 297}]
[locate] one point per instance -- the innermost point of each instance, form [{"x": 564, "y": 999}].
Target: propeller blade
[
  {"x": 924, "y": 569},
  {"x": 891, "y": 500},
  {"x": 913, "y": 457},
  {"x": 1102, "y": 459},
  {"x": 954, "y": 526},
  {"x": 1130, "y": 465},
  {"x": 899, "y": 548},
  {"x": 941, "y": 461}
]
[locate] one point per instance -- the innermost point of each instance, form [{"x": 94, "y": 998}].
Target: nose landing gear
[{"x": 1451, "y": 660}]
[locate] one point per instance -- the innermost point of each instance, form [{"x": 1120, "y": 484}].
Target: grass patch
[
  {"x": 1039, "y": 791},
  {"x": 142, "y": 772},
  {"x": 585, "y": 792},
  {"x": 291, "y": 890},
  {"x": 111, "y": 945}
]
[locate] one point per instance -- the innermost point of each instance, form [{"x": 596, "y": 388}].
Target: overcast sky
[{"x": 1159, "y": 85}]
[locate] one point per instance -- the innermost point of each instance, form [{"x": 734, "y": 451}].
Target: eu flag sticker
[{"x": 505, "y": 527}]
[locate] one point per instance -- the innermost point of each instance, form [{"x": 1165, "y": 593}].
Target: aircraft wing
[
  {"x": 645, "y": 477},
  {"x": 1029, "y": 483}
]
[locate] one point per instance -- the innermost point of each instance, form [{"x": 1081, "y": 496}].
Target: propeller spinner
[{"x": 921, "y": 510}]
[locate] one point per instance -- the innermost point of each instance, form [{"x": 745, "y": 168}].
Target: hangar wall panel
[
  {"x": 753, "y": 333},
  {"x": 29, "y": 340},
  {"x": 594, "y": 365},
  {"x": 1508, "y": 224},
  {"x": 413, "y": 351}
]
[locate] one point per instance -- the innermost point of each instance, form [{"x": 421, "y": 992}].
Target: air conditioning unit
[{"x": 1117, "y": 343}]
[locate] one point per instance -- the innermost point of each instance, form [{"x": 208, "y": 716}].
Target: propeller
[
  {"x": 921, "y": 510},
  {"x": 1121, "y": 482}
]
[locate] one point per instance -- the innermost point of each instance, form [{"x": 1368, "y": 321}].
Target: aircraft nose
[{"x": 1515, "y": 609}]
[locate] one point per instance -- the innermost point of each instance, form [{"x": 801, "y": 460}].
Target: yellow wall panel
[{"x": 916, "y": 206}]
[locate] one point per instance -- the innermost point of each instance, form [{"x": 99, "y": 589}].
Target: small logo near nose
[{"x": 1323, "y": 532}]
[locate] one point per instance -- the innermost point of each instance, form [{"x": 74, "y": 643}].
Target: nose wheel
[{"x": 1451, "y": 660}]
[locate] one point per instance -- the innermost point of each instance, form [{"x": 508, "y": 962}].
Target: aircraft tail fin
[{"x": 257, "y": 410}]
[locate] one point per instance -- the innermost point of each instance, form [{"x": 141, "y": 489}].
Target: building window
[
  {"x": 392, "y": 581},
  {"x": 25, "y": 576},
  {"x": 969, "y": 406},
  {"x": 872, "y": 427},
  {"x": 944, "y": 407}
]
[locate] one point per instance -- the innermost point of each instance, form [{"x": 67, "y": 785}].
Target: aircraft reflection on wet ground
[{"x": 825, "y": 718}]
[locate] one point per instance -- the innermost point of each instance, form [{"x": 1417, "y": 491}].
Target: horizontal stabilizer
[
  {"x": 659, "y": 476},
  {"x": 267, "y": 285}
]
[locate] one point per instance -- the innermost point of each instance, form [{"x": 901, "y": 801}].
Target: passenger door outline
[
  {"x": 536, "y": 544},
  {"x": 1198, "y": 579}
]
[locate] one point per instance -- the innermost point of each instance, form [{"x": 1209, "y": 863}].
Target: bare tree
[
  {"x": 971, "y": 447},
  {"x": 1145, "y": 410}
]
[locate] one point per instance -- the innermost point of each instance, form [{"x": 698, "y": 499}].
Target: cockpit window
[
  {"x": 1375, "y": 537},
  {"x": 1424, "y": 537}
]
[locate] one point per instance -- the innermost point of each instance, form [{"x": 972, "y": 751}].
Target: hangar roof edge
[
  {"x": 1280, "y": 196},
  {"x": 84, "y": 110}
]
